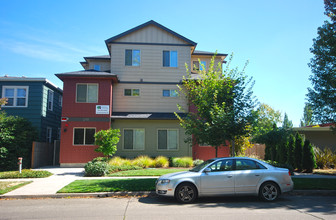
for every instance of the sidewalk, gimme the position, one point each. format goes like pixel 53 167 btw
pixel 48 187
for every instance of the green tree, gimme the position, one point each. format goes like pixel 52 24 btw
pixel 290 150
pixel 307 119
pixel 322 95
pixel 287 124
pixel 107 141
pixel 308 157
pixel 298 151
pixel 224 103
pixel 265 117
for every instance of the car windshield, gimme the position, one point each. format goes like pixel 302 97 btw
pixel 201 166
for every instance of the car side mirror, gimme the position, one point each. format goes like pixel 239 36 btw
pixel 207 170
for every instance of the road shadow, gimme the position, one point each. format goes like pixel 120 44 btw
pixel 311 204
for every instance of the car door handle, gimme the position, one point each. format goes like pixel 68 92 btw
pixel 257 175
pixel 229 176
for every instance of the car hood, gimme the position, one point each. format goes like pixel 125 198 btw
pixel 179 175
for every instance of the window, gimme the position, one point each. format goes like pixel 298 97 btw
pixel 50 100
pixel 134 139
pixel 49 134
pixel 87 93
pixel 199 66
pixel 222 165
pixel 17 95
pixel 242 164
pixel 84 136
pixel 168 139
pixel 60 100
pixel 132 57
pixel 132 92
pixel 96 67
pixel 58 133
pixel 169 58
pixel 169 93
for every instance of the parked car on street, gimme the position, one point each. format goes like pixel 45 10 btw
pixel 226 176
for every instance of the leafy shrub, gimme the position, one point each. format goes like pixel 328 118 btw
pixel 308 157
pixel 98 168
pixel 143 161
pixel 298 151
pixel 100 159
pixel 197 162
pixel 182 162
pixel 26 173
pixel 161 161
pixel 325 158
pixel 107 141
pixel 118 161
pixel 281 165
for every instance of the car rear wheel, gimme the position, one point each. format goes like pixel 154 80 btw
pixel 269 192
pixel 186 193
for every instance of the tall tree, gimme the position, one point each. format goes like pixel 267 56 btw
pixel 308 157
pixel 307 119
pixel 298 151
pixel 223 102
pixel 287 124
pixel 322 95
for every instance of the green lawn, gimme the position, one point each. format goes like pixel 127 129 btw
pixel 147 172
pixel 26 173
pixel 8 186
pixel 109 185
pixel 314 183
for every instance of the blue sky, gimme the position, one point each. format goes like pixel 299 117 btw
pixel 40 38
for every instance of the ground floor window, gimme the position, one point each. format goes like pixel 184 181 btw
pixel 49 134
pixel 134 139
pixel 84 136
pixel 168 139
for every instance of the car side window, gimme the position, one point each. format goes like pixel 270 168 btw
pixel 243 164
pixel 222 165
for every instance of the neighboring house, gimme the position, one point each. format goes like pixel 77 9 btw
pixel 134 89
pixel 37 100
pixel 320 136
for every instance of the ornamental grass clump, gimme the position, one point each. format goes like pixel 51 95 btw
pixel 161 161
pixel 118 161
pixel 182 162
pixel 143 161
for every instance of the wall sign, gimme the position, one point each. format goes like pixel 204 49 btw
pixel 102 109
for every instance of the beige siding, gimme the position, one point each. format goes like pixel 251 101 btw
pixel 151 63
pixel 151 138
pixel 150 99
pixel 104 65
pixel 151 34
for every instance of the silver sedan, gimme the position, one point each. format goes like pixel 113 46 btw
pixel 226 176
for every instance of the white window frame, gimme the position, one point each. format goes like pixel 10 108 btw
pixel 199 65
pixel 177 137
pixel 87 91
pixel 49 134
pixel 171 92
pixel 15 96
pixel 73 136
pixel 132 64
pixel 50 100
pixel 60 99
pixel 144 139
pixel 132 93
pixel 170 58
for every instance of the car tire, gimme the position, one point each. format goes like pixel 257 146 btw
pixel 269 192
pixel 186 193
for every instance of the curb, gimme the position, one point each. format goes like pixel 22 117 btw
pixel 147 193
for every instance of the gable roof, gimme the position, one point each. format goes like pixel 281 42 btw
pixel 151 22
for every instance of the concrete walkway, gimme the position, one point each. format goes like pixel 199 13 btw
pixel 48 187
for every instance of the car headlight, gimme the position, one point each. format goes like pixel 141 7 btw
pixel 164 181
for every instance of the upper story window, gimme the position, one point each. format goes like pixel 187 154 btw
pixel 87 93
pixel 60 100
pixel 196 65
pixel 17 95
pixel 132 57
pixel 169 93
pixel 132 92
pixel 50 100
pixel 169 58
pixel 96 67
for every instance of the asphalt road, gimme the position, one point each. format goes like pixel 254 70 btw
pixel 287 207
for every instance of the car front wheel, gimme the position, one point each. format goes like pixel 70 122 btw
pixel 269 192
pixel 186 193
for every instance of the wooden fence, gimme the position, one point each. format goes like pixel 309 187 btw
pixel 45 154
